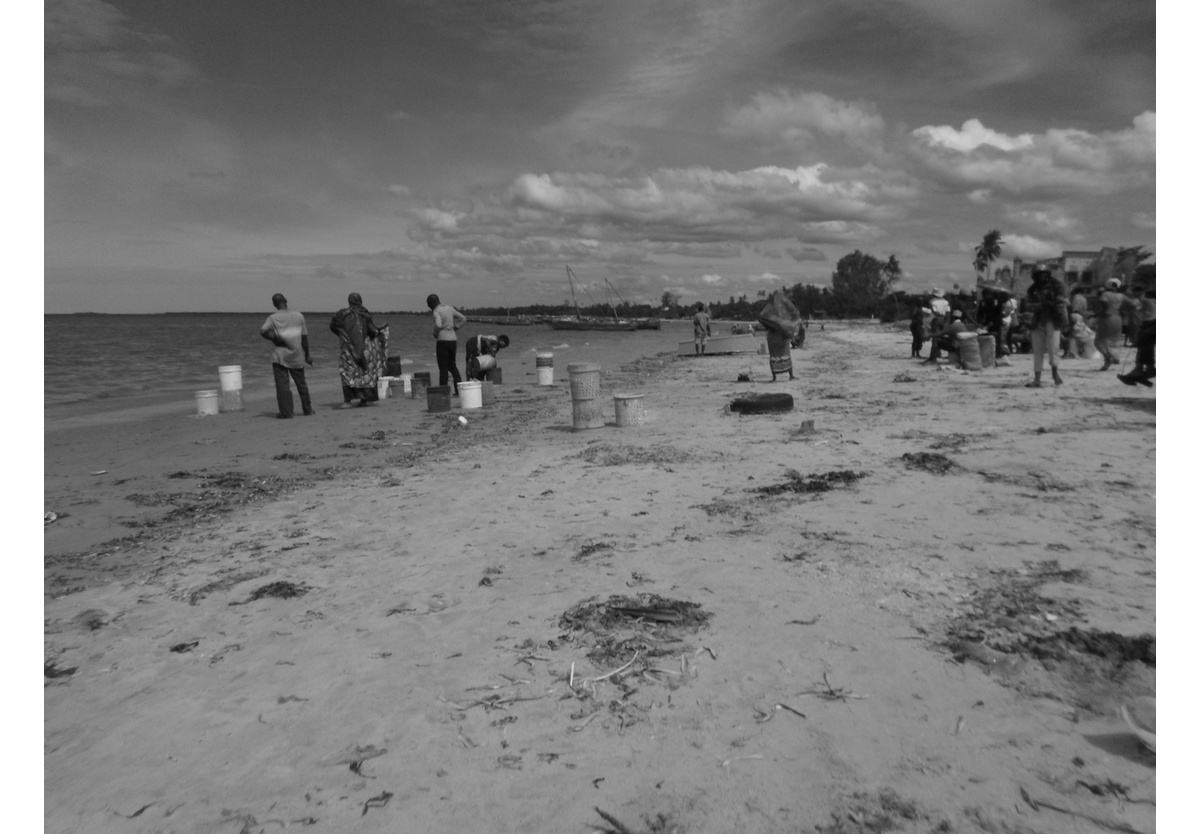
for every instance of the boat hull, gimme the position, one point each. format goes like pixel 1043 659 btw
pixel 740 343
pixel 557 324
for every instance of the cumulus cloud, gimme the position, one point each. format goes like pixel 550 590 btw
pixel 785 117
pixel 980 196
pixel 712 280
pixel 698 202
pixel 1059 161
pixel 432 218
pixel 1029 248
pixel 1048 219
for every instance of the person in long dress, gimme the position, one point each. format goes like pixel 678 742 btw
pixel 1109 324
pixel 781 318
pixel 361 354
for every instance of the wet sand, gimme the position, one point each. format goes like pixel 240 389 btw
pixel 922 615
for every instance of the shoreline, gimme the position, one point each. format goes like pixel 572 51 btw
pixel 438 654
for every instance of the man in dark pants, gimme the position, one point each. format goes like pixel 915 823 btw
pixel 446 321
pixel 286 330
pixel 1144 370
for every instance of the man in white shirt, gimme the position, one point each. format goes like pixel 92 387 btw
pixel 286 330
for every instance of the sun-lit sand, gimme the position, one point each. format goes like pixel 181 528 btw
pixel 923 615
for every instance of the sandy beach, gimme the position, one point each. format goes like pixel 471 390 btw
pixel 923 614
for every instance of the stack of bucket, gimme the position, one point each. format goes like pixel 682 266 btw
pixel 207 402
pixel 545 368
pixel 585 401
pixel 231 388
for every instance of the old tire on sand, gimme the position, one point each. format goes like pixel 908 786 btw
pixel 762 404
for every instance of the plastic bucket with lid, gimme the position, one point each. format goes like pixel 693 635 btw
pixel 545 368
pixel 206 402
pixel 630 409
pixel 437 398
pixel 470 394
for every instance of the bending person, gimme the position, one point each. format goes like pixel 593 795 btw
pixel 478 346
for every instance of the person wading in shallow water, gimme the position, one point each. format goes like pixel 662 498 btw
pixel 1046 305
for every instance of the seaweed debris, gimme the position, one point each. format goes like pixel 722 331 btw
pixel 930 462
pixel 803 484
pixel 602 454
pixel 54 671
pixel 616 628
pixel 280 590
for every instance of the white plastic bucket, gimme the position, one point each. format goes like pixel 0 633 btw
pixel 470 394
pixel 381 387
pixel 231 377
pixel 207 402
pixel 486 363
pixel 545 368
pixel 406 381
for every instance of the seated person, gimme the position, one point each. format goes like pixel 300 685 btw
pixel 947 339
pixel 481 345
pixel 1081 339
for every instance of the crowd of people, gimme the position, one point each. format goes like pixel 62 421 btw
pixel 363 351
pixel 1045 322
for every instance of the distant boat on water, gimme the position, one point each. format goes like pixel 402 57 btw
pixel 510 320
pixel 582 322
pixel 649 324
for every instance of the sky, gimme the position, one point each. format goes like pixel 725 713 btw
pixel 204 155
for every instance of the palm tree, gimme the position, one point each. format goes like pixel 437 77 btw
pixel 987 252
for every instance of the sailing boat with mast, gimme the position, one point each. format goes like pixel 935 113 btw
pixel 582 322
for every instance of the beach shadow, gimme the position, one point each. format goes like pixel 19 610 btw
pixel 1125 745
pixel 1146 405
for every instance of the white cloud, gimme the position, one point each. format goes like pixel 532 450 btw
pixel 1029 248
pixel 442 221
pixel 980 196
pixel 712 280
pixel 1048 219
pixel 700 202
pixel 1059 161
pixel 792 118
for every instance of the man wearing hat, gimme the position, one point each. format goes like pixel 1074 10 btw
pixel 941 309
pixel 947 339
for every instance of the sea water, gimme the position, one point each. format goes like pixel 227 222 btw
pixel 114 362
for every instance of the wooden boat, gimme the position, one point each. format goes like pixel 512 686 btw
pixel 736 343
pixel 509 320
pixel 649 324
pixel 582 322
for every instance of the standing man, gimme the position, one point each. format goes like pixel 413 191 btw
pixel 446 320
pixel 286 330
pixel 941 310
pixel 702 327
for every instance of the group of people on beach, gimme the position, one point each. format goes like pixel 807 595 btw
pixel 1045 322
pixel 363 351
